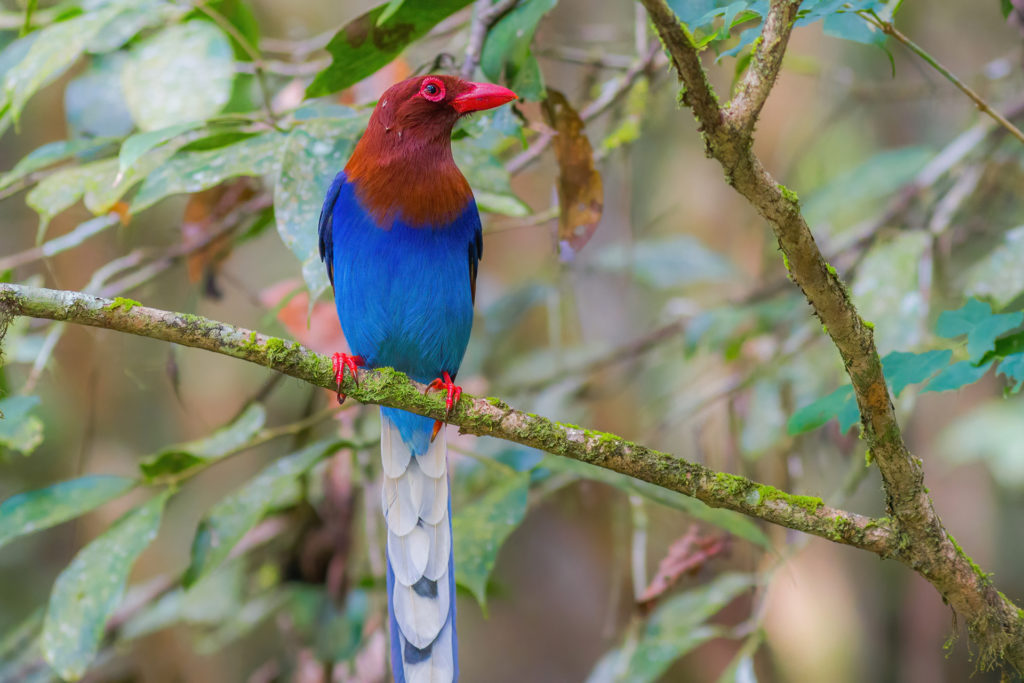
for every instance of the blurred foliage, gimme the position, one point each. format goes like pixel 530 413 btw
pixel 145 134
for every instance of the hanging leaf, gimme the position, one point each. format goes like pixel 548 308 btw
pixel 19 429
pixel 506 53
pixel 231 518
pixel 137 145
pixel 314 153
pixel 479 530
pixel 363 45
pixel 89 590
pixel 1013 368
pixel 192 171
pixel 41 509
pixel 51 153
pixel 175 460
pixel 580 191
pixel 182 73
pixel 982 327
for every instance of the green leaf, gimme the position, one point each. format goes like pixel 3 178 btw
pixel 389 11
pixel 479 529
pixel 982 327
pixel 135 146
pixel 175 460
pixel 853 27
pixel 1013 368
pixel 19 429
pixel 63 188
pixel 33 511
pixel 194 171
pixel 667 263
pixel 135 16
pixel 229 520
pixel 490 181
pixel 182 73
pixel 506 52
pixel 957 375
pixel 90 588
pixel 313 153
pixel 51 153
pixel 902 369
pixel 1006 6
pixel 839 404
pixel 735 523
pixel 52 50
pixel 362 46
pixel 93 102
pixel 678 626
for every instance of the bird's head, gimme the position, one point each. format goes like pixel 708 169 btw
pixel 423 109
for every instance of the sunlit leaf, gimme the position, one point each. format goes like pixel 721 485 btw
pixel 195 171
pixel 479 529
pixel 506 52
pixel 135 16
pixel 33 511
pixel 580 190
pixel 182 73
pixel 314 153
pixel 135 146
pixel 227 521
pixel 982 327
pixel 362 46
pixel 90 588
pixel 20 430
pixel 175 460
pixel 63 188
pixel 903 369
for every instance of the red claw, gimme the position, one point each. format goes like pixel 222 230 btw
pixel 340 361
pixel 453 392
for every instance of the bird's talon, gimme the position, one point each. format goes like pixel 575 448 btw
pixel 452 393
pixel 341 361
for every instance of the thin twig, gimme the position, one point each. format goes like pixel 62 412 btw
pixel 485 15
pixel 890 29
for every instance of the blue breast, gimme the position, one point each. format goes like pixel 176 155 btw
pixel 404 294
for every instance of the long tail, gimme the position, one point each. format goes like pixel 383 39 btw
pixel 421 575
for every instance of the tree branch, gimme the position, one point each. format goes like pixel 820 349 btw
pixel 926 546
pixel 479 416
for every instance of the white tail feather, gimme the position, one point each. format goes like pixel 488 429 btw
pixel 414 496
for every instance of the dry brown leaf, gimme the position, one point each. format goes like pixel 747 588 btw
pixel 203 214
pixel 580 191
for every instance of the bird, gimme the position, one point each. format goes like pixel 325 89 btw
pixel 401 239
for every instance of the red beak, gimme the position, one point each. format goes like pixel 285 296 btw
pixel 482 96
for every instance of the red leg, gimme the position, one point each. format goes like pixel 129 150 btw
pixel 452 390
pixel 342 361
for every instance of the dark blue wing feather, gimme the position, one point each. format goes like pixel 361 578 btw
pixel 327 225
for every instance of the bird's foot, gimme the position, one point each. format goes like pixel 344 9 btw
pixel 340 361
pixel 452 390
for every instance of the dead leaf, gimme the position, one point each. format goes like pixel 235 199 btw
pixel 580 191
pixel 688 554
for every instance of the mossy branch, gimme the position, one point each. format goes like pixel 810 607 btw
pixel 993 620
pixel 480 416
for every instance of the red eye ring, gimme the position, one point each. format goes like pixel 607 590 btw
pixel 432 89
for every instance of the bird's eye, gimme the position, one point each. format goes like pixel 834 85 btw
pixel 432 89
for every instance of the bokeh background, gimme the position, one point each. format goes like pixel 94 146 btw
pixel 674 326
